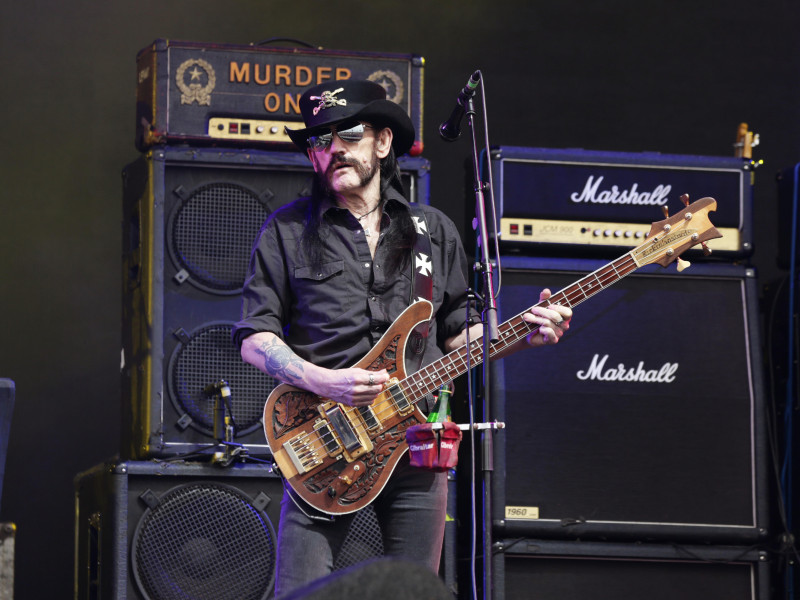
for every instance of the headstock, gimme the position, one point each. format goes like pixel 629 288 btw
pixel 669 238
pixel 746 140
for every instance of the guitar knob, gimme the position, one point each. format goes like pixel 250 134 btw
pixel 331 492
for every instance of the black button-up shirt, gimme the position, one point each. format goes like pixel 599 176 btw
pixel 332 315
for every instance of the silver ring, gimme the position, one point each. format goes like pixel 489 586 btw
pixel 371 379
pixel 559 323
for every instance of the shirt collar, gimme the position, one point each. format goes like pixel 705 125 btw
pixel 390 195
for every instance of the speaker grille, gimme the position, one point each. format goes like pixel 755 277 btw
pixel 208 356
pixel 204 541
pixel 212 235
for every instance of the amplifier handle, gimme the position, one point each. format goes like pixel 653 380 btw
pixel 272 40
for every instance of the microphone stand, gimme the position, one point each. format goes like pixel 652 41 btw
pixel 489 319
pixel 224 424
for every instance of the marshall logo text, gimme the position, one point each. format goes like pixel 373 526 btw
pixel 598 371
pixel 593 195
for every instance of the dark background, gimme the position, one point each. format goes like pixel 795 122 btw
pixel 672 76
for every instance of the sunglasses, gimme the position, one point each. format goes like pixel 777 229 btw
pixel 350 135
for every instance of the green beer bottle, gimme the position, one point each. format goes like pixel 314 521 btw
pixel 441 411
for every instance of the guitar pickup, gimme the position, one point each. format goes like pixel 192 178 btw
pixel 370 420
pixel 401 403
pixel 327 438
pixel 341 426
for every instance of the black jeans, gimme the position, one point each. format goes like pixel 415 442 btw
pixel 411 514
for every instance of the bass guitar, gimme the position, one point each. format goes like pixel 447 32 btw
pixel 338 458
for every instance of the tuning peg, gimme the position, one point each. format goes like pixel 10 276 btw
pixel 665 210
pixel 683 264
pixel 685 199
pixel 706 249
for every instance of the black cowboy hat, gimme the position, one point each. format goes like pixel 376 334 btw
pixel 352 100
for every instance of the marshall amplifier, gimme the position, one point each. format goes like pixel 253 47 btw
pixel 598 200
pixel 646 421
pixel 245 95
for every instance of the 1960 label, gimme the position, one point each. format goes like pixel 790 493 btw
pixel 522 512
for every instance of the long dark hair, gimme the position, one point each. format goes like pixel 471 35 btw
pixel 400 237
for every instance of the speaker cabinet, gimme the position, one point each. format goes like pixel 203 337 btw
pixel 570 570
pixel 646 421
pixel 146 530
pixel 191 216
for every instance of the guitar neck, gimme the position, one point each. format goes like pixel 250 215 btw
pixel 457 362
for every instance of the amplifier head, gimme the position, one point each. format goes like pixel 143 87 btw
pixel 602 201
pixel 235 95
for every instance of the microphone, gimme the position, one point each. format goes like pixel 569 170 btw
pixel 450 130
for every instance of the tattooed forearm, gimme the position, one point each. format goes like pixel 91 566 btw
pixel 280 361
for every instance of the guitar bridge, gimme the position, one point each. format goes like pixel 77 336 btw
pixel 303 452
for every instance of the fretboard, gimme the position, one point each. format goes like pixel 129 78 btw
pixel 457 362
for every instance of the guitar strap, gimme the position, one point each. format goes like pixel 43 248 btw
pixel 421 284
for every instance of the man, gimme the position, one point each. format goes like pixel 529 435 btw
pixel 328 275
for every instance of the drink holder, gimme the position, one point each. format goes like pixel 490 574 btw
pixel 434 446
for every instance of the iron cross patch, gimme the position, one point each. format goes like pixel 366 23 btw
pixel 423 264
